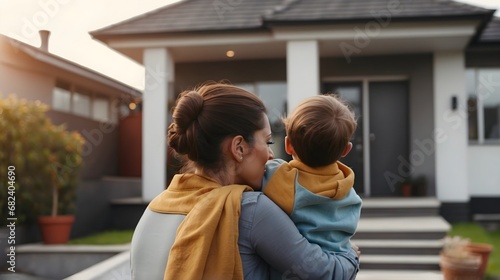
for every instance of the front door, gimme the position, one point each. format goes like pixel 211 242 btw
pixel 388 135
pixel 387 140
pixel 352 94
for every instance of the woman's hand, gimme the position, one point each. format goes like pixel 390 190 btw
pixel 356 249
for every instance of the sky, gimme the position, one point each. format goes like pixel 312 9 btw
pixel 70 22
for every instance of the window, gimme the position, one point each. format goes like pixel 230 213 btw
pixel 61 97
pixel 274 96
pixel 483 88
pixel 100 109
pixel 82 102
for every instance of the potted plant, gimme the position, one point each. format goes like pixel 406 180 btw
pixel 46 160
pixel 458 263
pixel 406 187
pixel 483 250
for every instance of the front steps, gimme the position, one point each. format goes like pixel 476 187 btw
pixel 400 238
pixel 399 275
pixel 125 199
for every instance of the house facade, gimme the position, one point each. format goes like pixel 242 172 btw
pixel 423 78
pixel 84 100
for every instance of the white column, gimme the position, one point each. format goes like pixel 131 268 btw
pixel 302 71
pixel 159 73
pixel 450 127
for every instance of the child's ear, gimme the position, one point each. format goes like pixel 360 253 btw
pixel 288 147
pixel 347 149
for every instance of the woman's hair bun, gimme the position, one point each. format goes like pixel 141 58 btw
pixel 188 108
pixel 181 133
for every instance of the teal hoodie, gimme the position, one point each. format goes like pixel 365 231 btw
pixel 320 201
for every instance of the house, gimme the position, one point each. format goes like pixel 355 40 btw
pixel 422 76
pixel 85 101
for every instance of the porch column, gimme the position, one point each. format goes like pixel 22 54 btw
pixel 450 128
pixel 159 73
pixel 302 71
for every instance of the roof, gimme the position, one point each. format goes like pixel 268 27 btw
pixel 345 10
pixel 196 15
pixel 491 33
pixel 69 66
pixel 222 15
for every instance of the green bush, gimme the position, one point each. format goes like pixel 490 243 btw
pixel 46 158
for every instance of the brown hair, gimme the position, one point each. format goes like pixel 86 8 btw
pixel 319 129
pixel 205 116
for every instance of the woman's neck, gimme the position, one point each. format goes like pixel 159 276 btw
pixel 222 177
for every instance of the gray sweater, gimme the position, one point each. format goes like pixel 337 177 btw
pixel 267 237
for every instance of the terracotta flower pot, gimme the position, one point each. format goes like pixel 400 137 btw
pixel 55 229
pixel 406 190
pixel 460 269
pixel 483 250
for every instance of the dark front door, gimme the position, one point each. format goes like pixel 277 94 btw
pixel 389 142
pixel 352 94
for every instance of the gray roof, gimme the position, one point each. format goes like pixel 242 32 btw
pixel 341 10
pixel 196 15
pixel 491 33
pixel 240 15
pixel 68 66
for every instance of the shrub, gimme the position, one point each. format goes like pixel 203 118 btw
pixel 46 158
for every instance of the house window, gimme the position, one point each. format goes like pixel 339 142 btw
pixel 274 96
pixel 81 103
pixel 483 88
pixel 100 109
pixel 61 97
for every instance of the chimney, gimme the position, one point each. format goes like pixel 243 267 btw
pixel 44 36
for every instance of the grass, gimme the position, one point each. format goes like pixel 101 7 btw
pixel 478 234
pixel 114 237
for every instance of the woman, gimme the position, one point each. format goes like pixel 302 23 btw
pixel 215 225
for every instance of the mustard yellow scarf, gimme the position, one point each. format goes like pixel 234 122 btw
pixel 206 245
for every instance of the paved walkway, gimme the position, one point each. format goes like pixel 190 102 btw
pixel 19 276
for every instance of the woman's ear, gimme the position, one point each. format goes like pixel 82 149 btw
pixel 237 147
pixel 347 149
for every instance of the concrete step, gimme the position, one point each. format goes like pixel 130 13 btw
pixel 400 207
pixel 62 260
pixel 126 205
pixel 368 274
pixel 122 187
pixel 399 262
pixel 402 228
pixel 126 212
pixel 399 247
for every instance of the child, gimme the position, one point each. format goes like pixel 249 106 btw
pixel 315 189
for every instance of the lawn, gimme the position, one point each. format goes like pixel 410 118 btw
pixel 478 234
pixel 105 238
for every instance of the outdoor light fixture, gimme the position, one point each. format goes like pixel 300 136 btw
pixel 230 53
pixel 132 106
pixel 454 102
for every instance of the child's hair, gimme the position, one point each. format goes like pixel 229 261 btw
pixel 319 129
